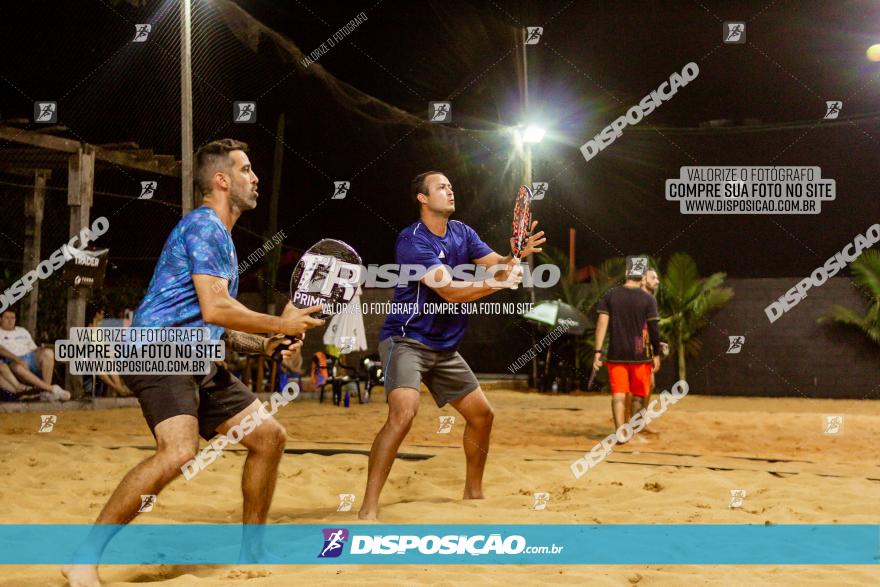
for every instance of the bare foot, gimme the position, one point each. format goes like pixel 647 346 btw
pixel 81 575
pixel 362 515
pixel 473 494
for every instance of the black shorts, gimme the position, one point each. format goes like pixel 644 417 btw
pixel 212 398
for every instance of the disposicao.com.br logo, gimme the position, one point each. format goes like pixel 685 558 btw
pixel 451 544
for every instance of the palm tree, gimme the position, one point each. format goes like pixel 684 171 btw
pixel 866 274
pixel 686 301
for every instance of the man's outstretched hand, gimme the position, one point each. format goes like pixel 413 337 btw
pixel 532 244
pixel 295 321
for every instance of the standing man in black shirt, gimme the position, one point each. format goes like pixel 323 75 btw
pixel 630 360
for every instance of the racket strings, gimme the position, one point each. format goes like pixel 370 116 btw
pixel 522 220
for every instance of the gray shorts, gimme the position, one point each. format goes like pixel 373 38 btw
pixel 408 362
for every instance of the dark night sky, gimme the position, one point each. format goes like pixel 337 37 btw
pixel 595 60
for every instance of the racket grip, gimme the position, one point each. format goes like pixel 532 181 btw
pixel 592 379
pixel 276 354
pixel 516 261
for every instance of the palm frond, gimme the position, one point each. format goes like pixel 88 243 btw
pixel 866 273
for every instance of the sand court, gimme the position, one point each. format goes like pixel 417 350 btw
pixel 774 449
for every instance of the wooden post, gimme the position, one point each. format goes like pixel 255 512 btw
pixel 33 233
pixel 186 130
pixel 273 258
pixel 80 190
pixel 572 266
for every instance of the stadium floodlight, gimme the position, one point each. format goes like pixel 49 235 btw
pixel 533 134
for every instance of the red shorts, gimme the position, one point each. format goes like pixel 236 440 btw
pixel 634 378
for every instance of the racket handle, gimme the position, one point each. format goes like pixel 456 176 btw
pixel 276 354
pixel 516 261
pixel 592 379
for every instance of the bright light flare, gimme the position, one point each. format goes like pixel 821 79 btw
pixel 533 134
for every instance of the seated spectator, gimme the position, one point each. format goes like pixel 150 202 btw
pixel 112 380
pixel 31 365
pixel 10 387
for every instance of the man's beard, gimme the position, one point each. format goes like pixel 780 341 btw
pixel 242 203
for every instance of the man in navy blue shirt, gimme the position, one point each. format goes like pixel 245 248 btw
pixel 420 346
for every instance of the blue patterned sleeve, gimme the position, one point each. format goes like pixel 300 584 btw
pixel 208 248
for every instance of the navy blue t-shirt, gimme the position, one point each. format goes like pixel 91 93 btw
pixel 416 245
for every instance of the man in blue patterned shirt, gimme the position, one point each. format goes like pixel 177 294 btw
pixel 194 284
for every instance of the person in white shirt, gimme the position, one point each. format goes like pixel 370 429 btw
pixel 31 365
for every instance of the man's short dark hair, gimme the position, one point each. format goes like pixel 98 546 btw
pixel 418 186
pixel 10 310
pixel 211 157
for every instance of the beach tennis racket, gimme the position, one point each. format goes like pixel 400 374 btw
pixel 592 380
pixel 522 222
pixel 328 274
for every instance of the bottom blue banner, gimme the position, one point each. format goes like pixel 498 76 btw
pixel 442 544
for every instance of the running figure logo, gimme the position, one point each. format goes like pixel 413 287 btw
pixel 46 112
pixel 539 190
pixel 347 344
pixel 334 540
pixel 47 423
pixel 244 112
pixel 736 344
pixel 147 503
pixel 736 497
pixel 636 266
pixel 148 188
pixel 833 425
pixel 346 500
pixel 141 32
pixel 832 109
pixel 533 34
pixel 340 189
pixel 440 111
pixel 734 32
pixel 541 498
pixel 446 424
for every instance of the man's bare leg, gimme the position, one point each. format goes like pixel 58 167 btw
pixel 177 440
pixel 478 414
pixel 403 405
pixel 25 375
pixel 645 402
pixel 618 409
pixel 265 446
pixel 46 363
pixel 8 382
pixel 637 404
